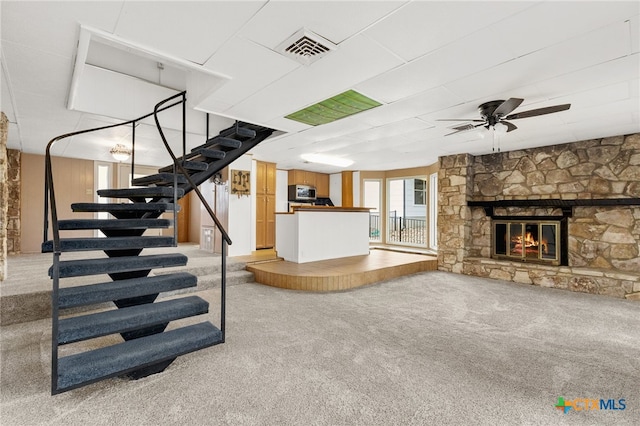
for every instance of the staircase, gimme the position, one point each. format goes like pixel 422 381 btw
pixel 146 345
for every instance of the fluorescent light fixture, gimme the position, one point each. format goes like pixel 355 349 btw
pixel 327 159
pixel 332 109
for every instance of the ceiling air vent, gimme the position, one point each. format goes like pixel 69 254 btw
pixel 306 46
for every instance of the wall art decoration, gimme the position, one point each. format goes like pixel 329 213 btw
pixel 240 182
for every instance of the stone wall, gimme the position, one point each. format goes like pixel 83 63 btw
pixel 454 217
pixel 13 212
pixel 602 168
pixel 604 242
pixel 4 195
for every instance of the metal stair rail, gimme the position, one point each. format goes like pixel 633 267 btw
pixel 147 348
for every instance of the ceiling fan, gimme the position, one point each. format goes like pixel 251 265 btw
pixel 494 112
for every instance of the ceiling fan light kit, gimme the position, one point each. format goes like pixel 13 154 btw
pixel 496 113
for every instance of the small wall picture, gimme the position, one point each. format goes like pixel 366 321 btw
pixel 240 182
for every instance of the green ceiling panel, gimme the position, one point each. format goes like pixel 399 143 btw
pixel 335 108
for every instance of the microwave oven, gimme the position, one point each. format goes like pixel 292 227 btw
pixel 302 192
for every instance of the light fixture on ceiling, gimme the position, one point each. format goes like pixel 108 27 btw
pixel 340 106
pixel 327 159
pixel 120 152
pixel 500 128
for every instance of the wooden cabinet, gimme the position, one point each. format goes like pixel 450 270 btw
pixel 322 185
pixel 302 177
pixel 320 181
pixel 265 205
pixel 266 178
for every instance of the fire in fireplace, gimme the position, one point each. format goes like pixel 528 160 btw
pixel 537 241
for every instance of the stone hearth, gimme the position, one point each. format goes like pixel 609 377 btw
pixel 603 253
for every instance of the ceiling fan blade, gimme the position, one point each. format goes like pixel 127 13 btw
pixel 464 128
pixel 510 126
pixel 507 106
pixel 460 119
pixel 539 111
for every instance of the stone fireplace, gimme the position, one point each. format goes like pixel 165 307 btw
pixel 564 216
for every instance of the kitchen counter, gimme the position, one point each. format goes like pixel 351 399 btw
pixel 312 233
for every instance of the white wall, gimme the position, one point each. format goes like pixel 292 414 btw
pixel 282 178
pixel 335 188
pixel 242 228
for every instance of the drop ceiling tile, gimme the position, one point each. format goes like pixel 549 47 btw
pixel 210 24
pixel 326 77
pixel 36 72
pixel 421 104
pixel 578 53
pixel 594 97
pixel 52 27
pixel 238 59
pixel 286 125
pixel 454 61
pixel 335 129
pixel 396 129
pixel 6 98
pixel 634 32
pixel 549 23
pixel 36 132
pixel 53 108
pixel 610 72
pixel 342 144
pixel 424 26
pixel 334 20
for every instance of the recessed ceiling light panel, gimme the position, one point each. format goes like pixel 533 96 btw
pixel 335 108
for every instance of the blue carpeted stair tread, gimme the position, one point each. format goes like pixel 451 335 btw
pixel 122 207
pixel 211 154
pixel 244 132
pixel 132 318
pixel 76 224
pixel 88 367
pixel 187 165
pixel 159 179
pixel 72 297
pixel 137 193
pixel 76 268
pixel 112 243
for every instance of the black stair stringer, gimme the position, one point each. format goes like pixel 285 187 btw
pixel 241 131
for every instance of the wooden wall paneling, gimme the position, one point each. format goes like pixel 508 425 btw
pixel 347 189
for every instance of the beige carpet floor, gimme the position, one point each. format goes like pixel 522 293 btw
pixel 428 349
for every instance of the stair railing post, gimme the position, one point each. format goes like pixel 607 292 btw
pixel 184 124
pixel 133 151
pixel 50 191
pixel 175 204
pixel 223 288
pixel 54 321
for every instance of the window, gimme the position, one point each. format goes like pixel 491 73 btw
pixel 419 192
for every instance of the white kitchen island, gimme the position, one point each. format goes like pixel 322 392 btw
pixel 312 233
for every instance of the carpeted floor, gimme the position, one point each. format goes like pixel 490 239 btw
pixel 429 349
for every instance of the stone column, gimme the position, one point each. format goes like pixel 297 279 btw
pixel 4 194
pixel 455 187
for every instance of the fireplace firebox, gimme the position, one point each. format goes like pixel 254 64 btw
pixel 527 241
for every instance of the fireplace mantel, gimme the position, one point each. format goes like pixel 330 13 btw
pixel 566 205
